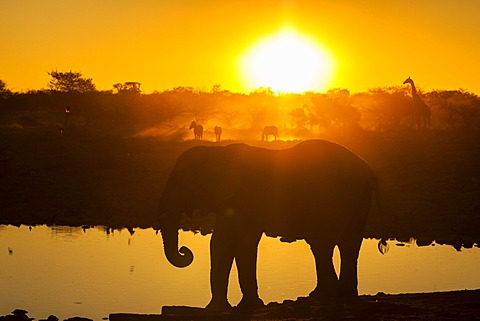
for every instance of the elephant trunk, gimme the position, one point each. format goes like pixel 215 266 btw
pixel 182 257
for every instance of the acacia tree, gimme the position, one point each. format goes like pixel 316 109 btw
pixel 4 91
pixel 128 87
pixel 70 81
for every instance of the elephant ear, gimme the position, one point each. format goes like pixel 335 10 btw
pixel 216 177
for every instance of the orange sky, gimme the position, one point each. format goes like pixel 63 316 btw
pixel 164 44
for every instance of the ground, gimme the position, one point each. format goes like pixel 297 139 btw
pixel 445 306
pixel 429 180
pixel 459 305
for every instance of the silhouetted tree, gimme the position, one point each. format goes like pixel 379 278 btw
pixel 456 108
pixel 128 87
pixel 299 117
pixel 217 89
pixel 70 81
pixel 230 111
pixel 261 107
pixel 4 91
pixel 333 109
pixel 386 107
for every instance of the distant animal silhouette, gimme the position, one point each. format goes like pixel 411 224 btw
pixel 218 133
pixel 269 130
pixel 65 122
pixel 197 130
pixel 421 111
pixel 317 190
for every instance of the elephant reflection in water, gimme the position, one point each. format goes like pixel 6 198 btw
pixel 317 190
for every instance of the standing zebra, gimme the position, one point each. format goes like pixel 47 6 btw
pixel 197 130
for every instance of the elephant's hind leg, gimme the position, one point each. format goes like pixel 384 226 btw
pixel 348 281
pixel 327 281
pixel 246 259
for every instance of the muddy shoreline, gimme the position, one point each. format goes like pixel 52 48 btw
pixel 454 305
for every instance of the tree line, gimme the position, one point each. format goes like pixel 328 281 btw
pixel 125 110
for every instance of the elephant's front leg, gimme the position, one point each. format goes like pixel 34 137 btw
pixel 327 281
pixel 222 247
pixel 246 259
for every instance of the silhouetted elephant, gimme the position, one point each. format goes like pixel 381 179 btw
pixel 197 130
pixel 218 133
pixel 318 191
pixel 269 130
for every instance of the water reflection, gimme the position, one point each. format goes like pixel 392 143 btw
pixel 92 272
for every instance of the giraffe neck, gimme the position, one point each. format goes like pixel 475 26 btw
pixel 414 90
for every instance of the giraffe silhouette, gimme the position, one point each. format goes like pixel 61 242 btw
pixel 421 111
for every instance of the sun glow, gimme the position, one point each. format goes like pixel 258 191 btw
pixel 287 62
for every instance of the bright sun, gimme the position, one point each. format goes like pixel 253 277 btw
pixel 287 62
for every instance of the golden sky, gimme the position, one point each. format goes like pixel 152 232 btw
pixel 164 44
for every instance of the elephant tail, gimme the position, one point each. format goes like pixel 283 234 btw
pixel 383 246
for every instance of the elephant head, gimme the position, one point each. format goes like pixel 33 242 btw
pixel 197 182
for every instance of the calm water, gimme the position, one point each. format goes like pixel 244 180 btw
pixel 68 272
